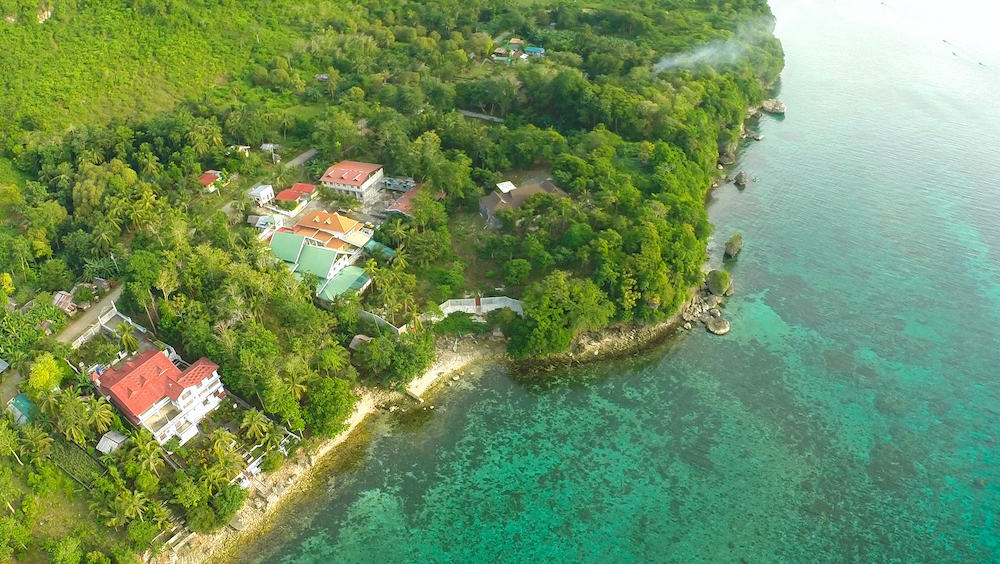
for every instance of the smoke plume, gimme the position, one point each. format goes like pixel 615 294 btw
pixel 718 52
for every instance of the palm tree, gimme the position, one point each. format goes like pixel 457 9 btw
pixel 49 404
pixel 230 465
pixel 126 337
pixel 222 441
pixel 400 261
pixel 8 490
pixel 285 120
pixel 8 441
pixel 371 269
pixel 213 476
pixel 274 437
pixel 298 382
pixel 100 415
pixel 160 515
pixel 395 232
pixel 254 425
pixel 146 452
pixel 197 141
pixel 334 357
pixel 130 504
pixel 72 417
pixel 36 442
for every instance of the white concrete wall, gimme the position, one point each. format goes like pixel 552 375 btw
pixel 486 305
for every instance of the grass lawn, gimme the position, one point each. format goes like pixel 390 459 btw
pixel 61 513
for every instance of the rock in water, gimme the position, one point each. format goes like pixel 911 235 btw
pixel 730 290
pixel 734 245
pixel 718 282
pixel 717 325
pixel 741 179
pixel 773 106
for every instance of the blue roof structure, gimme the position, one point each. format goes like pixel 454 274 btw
pixel 377 249
pixel 534 50
pixel 4 365
pixel 22 409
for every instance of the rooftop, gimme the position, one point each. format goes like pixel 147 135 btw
pixel 499 200
pixel 209 176
pixel 288 195
pixel 110 441
pixel 148 378
pixel 352 173
pixel 506 187
pixel 325 221
pixel 351 278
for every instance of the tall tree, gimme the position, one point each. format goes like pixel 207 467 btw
pixel 8 441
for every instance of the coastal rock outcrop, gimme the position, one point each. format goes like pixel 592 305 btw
pixel 718 282
pixel 704 308
pixel 741 179
pixel 717 325
pixel 734 245
pixel 773 106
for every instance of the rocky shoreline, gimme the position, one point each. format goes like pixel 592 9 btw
pixel 270 493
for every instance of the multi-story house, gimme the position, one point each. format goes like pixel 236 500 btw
pixel 158 391
pixel 361 181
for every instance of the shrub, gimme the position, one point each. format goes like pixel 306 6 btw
pixel 459 323
pixel 202 519
pixel 141 534
pixel 272 461
pixel 97 557
pixel 516 271
pixel 65 551
pixel 227 502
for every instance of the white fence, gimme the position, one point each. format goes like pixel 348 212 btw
pixel 481 306
pixel 103 319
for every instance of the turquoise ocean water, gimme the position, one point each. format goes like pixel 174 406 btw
pixel 851 416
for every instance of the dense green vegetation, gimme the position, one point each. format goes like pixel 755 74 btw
pixel 631 136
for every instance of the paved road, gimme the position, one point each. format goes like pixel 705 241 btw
pixel 302 158
pixel 478 115
pixel 88 318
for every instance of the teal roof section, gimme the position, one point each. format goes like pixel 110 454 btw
pixel 22 409
pixel 377 249
pixel 316 260
pixel 350 279
pixel 286 245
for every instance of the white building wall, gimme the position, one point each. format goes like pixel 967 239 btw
pixel 366 192
pixel 194 404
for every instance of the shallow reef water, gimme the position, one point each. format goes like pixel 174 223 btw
pixel 850 416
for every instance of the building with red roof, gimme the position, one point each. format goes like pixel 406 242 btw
pixel 210 180
pixel 154 393
pixel 299 192
pixel 361 181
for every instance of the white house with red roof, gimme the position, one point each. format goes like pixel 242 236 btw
pixel 153 392
pixel 210 180
pixel 299 192
pixel 361 181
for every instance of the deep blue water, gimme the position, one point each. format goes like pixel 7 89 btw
pixel 851 415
